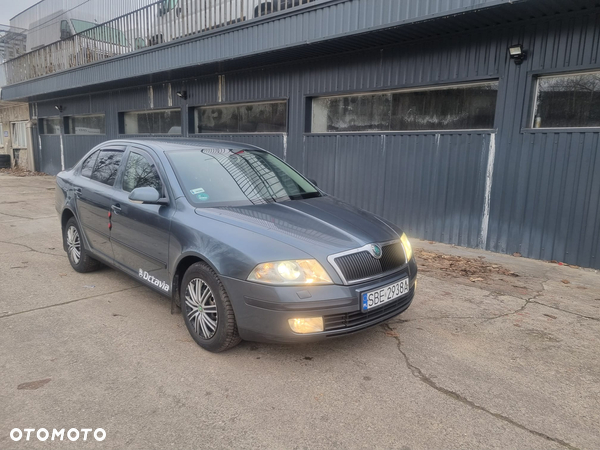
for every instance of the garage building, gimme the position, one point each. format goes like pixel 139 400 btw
pixel 475 123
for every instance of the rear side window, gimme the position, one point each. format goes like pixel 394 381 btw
pixel 88 165
pixel 140 171
pixel 107 166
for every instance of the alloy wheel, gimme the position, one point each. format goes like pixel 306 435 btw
pixel 201 308
pixel 74 244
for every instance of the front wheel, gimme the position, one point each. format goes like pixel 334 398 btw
pixel 207 310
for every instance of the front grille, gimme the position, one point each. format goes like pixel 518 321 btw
pixel 338 322
pixel 362 265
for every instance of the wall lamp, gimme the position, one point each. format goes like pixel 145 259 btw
pixel 59 108
pixel 517 54
pixel 182 94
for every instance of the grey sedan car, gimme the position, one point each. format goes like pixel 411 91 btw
pixel 244 244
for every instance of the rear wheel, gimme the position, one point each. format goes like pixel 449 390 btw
pixel 207 310
pixel 76 251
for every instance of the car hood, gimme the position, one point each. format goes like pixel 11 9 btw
pixel 312 225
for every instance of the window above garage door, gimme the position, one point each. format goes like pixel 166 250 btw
pixel 568 101
pixel 469 106
pixel 259 117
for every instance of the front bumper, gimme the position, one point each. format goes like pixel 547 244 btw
pixel 262 311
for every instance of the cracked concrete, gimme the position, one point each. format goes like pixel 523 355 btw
pixel 68 302
pixel 565 311
pixel 31 249
pixel 418 373
pixel 498 364
pixel 517 311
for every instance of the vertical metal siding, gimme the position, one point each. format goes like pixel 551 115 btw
pixel 75 146
pixel 50 154
pixel 432 185
pixel 435 185
pixel 545 198
pixel 360 166
pixel 319 158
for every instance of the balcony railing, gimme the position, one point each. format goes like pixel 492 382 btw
pixel 158 23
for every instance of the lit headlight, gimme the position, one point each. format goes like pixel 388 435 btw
pixel 407 247
pixel 304 271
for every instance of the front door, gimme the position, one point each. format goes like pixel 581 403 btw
pixel 140 233
pixel 93 198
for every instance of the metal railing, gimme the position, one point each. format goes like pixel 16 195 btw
pixel 157 23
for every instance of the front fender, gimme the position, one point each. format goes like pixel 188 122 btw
pixel 230 250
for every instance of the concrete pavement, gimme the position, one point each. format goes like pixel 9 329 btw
pixel 502 362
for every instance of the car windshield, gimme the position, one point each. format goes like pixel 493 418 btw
pixel 223 177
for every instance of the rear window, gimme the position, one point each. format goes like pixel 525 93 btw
pixel 107 166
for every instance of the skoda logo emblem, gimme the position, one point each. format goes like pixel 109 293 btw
pixel 375 251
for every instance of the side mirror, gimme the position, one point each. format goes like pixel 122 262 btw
pixel 312 180
pixel 147 195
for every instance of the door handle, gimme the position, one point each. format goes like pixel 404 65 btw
pixel 116 208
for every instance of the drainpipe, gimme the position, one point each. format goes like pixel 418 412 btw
pixel 62 153
pixel 30 162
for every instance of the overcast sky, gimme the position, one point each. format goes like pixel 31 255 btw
pixel 10 8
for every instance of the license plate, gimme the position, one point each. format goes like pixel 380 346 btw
pixel 385 294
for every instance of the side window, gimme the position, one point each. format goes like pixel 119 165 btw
pixel 107 166
pixel 140 171
pixel 88 165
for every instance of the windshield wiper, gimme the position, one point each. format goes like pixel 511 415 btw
pixel 307 195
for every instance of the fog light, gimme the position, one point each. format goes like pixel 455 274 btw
pixel 305 326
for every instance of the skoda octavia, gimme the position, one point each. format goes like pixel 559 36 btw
pixel 245 245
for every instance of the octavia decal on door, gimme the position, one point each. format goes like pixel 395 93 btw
pixel 150 279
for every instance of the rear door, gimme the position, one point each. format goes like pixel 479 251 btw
pixel 93 197
pixel 140 233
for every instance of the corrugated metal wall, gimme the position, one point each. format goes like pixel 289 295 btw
pixel 545 200
pixel 545 192
pixel 432 185
pixel 50 157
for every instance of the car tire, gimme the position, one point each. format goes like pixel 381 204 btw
pixel 207 310
pixel 78 256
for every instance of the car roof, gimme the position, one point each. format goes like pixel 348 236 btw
pixel 167 144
